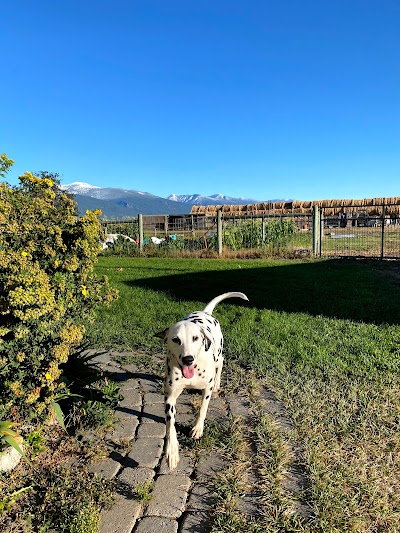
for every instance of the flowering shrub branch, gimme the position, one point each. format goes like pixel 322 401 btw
pixel 47 289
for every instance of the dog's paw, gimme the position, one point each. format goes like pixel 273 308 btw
pixel 197 431
pixel 172 455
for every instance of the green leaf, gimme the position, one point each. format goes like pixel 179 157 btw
pixel 59 414
pixel 12 442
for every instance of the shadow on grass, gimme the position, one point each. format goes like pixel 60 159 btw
pixel 352 290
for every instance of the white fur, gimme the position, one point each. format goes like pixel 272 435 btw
pixel 194 360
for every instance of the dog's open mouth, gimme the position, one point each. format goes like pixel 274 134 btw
pixel 188 371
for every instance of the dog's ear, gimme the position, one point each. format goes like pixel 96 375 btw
pixel 162 334
pixel 206 341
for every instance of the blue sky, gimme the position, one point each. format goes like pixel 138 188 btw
pixel 252 98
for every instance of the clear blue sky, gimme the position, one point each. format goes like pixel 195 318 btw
pixel 253 98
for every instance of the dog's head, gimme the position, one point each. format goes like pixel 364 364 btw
pixel 185 340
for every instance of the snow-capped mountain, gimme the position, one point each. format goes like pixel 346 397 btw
pixel 103 193
pixel 214 199
pixel 79 187
pixel 118 203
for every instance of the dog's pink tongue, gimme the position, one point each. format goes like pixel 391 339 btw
pixel 188 371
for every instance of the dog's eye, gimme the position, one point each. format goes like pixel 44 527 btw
pixel 176 340
pixel 195 339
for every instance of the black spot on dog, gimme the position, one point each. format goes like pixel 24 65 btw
pixel 168 417
pixel 207 342
pixel 170 382
pixel 210 380
pixel 167 407
pixel 176 379
pixel 207 397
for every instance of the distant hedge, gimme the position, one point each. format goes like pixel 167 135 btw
pixel 47 290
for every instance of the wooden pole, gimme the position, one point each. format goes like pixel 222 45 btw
pixel 140 222
pixel 219 231
pixel 316 231
pixel 263 228
pixel 383 232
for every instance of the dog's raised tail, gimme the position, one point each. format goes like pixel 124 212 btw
pixel 209 308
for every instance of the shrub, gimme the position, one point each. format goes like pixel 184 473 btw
pixel 47 289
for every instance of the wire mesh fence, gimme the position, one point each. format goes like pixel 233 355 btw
pixel 268 234
pixel 198 235
pixel 360 234
pixel 323 232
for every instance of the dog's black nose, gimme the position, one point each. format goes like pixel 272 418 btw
pixel 188 360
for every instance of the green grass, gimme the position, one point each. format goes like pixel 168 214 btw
pixel 324 335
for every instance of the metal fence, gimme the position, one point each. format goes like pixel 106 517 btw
pixel 322 232
pixel 358 234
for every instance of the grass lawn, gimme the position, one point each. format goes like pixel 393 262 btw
pixel 323 335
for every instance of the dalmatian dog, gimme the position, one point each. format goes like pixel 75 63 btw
pixel 194 360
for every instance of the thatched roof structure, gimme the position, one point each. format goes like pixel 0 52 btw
pixel 370 206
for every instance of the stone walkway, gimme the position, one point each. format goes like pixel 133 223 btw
pixel 181 500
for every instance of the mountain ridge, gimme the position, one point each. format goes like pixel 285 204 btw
pixel 117 202
pixel 213 199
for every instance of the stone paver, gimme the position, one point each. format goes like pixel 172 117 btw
pixel 153 413
pixel 122 516
pixel 169 496
pixel 146 452
pixel 107 468
pixel 155 524
pixel 126 427
pixel 195 522
pixel 132 398
pixel 181 499
pixel 201 498
pixel 153 397
pixel 131 477
pixel 151 430
pixel 185 466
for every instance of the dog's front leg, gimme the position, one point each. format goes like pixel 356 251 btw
pixel 218 372
pixel 171 441
pixel 197 431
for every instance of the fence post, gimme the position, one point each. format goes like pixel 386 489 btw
pixel 140 222
pixel 383 232
pixel 321 229
pixel 316 231
pixel 263 229
pixel 219 231
pixel 166 225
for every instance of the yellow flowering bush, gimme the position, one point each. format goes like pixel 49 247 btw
pixel 47 289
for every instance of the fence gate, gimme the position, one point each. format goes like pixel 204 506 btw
pixel 360 231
